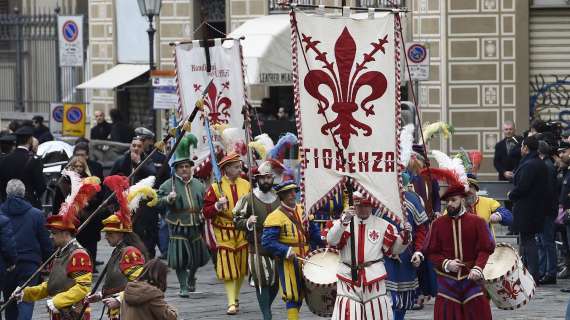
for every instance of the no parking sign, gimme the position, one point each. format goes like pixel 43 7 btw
pixel 74 119
pixel 56 118
pixel 417 55
pixel 70 34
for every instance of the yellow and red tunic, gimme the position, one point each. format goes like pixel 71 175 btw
pixel 231 244
pixel 69 281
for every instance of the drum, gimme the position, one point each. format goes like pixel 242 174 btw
pixel 319 273
pixel 507 281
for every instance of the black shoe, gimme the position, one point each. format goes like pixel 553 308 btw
pixel 192 285
pixel 99 263
pixel 547 280
pixel 567 290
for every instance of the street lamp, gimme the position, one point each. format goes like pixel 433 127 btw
pixel 150 9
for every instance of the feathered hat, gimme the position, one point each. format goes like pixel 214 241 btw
pixel 120 221
pixel 430 130
pixel 183 151
pixel 450 171
pixel 142 190
pixel 82 190
pixel 273 156
pixel 472 162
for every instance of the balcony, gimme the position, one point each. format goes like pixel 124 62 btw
pixel 274 6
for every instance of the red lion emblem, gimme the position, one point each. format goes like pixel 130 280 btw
pixel 345 83
pixel 218 106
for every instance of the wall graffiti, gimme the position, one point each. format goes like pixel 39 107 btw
pixel 550 98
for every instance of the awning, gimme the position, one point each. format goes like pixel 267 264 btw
pixel 115 76
pixel 267 49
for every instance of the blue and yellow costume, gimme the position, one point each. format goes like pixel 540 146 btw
pixel 288 230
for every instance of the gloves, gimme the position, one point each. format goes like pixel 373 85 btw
pixel 18 294
pixel 495 217
pixel 171 197
pixel 250 222
pixel 291 254
pixel 51 307
pixel 221 204
pixel 95 297
pixel 347 216
pixel 417 259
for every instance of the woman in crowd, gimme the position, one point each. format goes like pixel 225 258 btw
pixel 144 298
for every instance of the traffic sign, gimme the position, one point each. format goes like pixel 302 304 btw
pixel 417 55
pixel 56 118
pixel 74 119
pixel 70 36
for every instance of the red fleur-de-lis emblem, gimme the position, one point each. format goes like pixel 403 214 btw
pixel 197 87
pixel 218 106
pixel 510 289
pixel 345 82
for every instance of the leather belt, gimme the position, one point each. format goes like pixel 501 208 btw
pixel 361 266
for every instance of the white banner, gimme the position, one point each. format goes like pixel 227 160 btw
pixel 225 98
pixel 70 35
pixel 346 85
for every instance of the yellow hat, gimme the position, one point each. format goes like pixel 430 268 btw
pixel 114 224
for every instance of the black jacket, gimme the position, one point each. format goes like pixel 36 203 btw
pixel 21 164
pixel 121 132
pixel 124 166
pixel 43 134
pixel 506 162
pixel 530 194
pixel 101 131
pixel 552 195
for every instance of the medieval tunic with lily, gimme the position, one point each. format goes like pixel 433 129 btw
pixel 186 248
pixel 68 284
pixel 465 237
pixel 261 204
pixel 231 245
pixel 288 230
pixel 367 297
pixel 402 281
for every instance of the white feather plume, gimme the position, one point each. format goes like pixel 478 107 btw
pixel 454 164
pixel 146 182
pixel 406 143
pixel 75 181
pixel 232 137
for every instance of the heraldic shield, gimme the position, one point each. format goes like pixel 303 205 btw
pixel 347 77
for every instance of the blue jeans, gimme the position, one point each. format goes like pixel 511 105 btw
pixel 163 236
pixel 23 310
pixel 547 258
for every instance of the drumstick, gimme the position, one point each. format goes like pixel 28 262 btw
pixel 309 262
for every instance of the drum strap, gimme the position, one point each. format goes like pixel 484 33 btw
pixel 361 266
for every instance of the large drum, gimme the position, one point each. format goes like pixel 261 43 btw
pixel 507 281
pixel 319 273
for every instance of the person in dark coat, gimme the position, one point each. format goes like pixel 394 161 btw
pixel 529 197
pixel 33 245
pixel 8 253
pixel 120 130
pixel 7 142
pixel 23 165
pixel 41 132
pixel 102 130
pixel 145 220
pixel 547 257
pixel 506 157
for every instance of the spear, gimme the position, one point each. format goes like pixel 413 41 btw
pixel 257 261
pixel 106 201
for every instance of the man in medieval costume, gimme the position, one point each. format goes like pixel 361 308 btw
pixel 403 283
pixel 459 245
pixel 231 245
pixel 287 234
pixel 423 184
pixel 129 253
pixel 183 198
pixel 365 298
pixel 487 208
pixel 250 214
pixel 71 273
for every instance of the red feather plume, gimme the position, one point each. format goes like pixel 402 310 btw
pixel 119 184
pixel 475 157
pixel 446 175
pixel 70 211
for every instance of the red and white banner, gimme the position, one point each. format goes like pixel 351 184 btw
pixel 346 78
pixel 224 101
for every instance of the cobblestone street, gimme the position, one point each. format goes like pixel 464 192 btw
pixel 209 301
